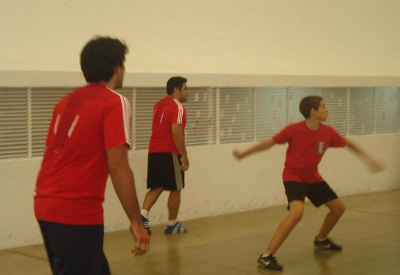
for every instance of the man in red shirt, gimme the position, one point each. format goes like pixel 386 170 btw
pixel 88 139
pixel 308 140
pixel 167 159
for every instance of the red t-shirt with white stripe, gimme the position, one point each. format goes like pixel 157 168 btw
pixel 306 149
pixel 166 112
pixel 71 182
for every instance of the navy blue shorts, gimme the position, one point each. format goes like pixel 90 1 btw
pixel 318 193
pixel 75 249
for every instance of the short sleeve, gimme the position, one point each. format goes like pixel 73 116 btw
pixel 283 136
pixel 117 123
pixel 337 140
pixel 177 113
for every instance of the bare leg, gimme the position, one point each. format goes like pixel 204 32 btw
pixel 337 209
pixel 286 226
pixel 151 198
pixel 174 201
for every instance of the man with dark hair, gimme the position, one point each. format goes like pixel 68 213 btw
pixel 308 140
pixel 88 139
pixel 168 159
pixel 100 57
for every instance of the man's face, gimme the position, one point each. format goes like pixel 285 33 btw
pixel 120 77
pixel 322 112
pixel 183 93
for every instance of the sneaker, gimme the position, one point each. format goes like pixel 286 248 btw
pixel 327 244
pixel 269 262
pixel 145 222
pixel 177 228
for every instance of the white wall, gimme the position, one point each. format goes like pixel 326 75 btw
pixel 216 184
pixel 303 42
pixel 308 37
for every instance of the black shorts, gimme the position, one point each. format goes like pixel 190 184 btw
pixel 163 170
pixel 75 249
pixel 318 193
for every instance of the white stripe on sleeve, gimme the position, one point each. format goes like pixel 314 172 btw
pixel 180 112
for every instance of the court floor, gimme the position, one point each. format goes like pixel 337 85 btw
pixel 230 244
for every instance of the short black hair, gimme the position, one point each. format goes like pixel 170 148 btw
pixel 175 82
pixel 100 56
pixel 308 103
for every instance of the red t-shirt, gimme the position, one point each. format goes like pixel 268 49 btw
pixel 166 112
pixel 306 149
pixel 71 182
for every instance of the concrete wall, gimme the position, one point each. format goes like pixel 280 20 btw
pixel 314 43
pixel 216 184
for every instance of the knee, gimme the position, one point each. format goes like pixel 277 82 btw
pixel 175 194
pixel 342 209
pixel 296 216
pixel 339 210
pixel 157 190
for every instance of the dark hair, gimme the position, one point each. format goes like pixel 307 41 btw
pixel 100 56
pixel 175 82
pixel 308 103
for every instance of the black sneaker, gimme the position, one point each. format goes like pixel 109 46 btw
pixel 269 262
pixel 327 244
pixel 145 222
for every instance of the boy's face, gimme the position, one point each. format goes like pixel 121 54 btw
pixel 322 112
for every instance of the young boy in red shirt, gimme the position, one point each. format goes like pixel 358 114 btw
pixel 308 140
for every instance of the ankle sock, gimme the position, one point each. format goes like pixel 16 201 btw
pixel 144 213
pixel 320 240
pixel 170 223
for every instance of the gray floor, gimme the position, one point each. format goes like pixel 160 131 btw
pixel 230 244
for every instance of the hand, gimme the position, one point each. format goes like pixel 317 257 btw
pixel 375 166
pixel 141 240
pixel 237 154
pixel 185 164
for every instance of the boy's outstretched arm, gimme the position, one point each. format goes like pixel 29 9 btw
pixel 372 163
pixel 263 145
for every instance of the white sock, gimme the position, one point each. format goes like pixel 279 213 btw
pixel 265 255
pixel 171 222
pixel 144 213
